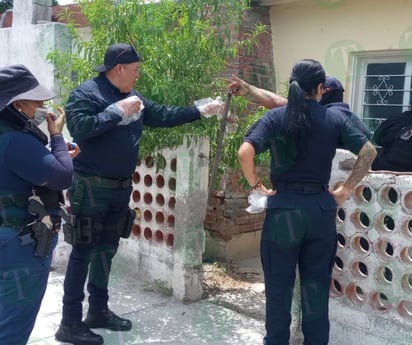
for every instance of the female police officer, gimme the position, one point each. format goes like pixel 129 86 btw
pixel 299 227
pixel 27 237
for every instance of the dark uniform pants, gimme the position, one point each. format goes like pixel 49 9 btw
pixel 23 281
pixel 106 208
pixel 299 229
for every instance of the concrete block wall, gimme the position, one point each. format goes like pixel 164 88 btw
pixel 372 275
pixel 168 239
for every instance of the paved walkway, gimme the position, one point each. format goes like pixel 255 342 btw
pixel 160 319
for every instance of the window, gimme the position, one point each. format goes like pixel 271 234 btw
pixel 383 85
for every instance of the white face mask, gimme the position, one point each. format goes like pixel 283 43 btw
pixel 39 115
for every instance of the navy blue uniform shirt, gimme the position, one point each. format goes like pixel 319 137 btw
pixel 107 149
pixel 330 129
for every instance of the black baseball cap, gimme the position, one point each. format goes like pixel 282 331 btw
pixel 18 83
pixel 119 53
pixel 332 83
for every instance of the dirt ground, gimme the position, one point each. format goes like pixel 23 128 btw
pixel 223 277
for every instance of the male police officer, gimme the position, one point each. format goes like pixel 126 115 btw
pixel 105 116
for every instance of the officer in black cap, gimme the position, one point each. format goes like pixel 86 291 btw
pixel 106 116
pixel 25 164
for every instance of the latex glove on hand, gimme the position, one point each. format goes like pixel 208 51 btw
pixel 212 108
pixel 129 105
pixel 130 109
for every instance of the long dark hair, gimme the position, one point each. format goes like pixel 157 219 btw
pixel 305 77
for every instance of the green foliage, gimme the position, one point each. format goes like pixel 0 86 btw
pixel 5 5
pixel 185 47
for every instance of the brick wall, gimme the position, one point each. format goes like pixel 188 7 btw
pixel 226 215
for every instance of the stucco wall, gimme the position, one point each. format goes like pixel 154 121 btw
pixel 329 30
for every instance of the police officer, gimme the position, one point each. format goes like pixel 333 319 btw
pixel 299 226
pixel 394 135
pixel 27 236
pixel 332 96
pixel 105 116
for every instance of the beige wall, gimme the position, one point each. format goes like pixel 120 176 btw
pixel 328 30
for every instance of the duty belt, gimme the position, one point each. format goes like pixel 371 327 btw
pixel 302 187
pixel 104 182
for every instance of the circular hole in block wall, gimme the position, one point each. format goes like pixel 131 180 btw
pixel 341 240
pixel 360 245
pixel 136 196
pixel 406 228
pixel 336 289
pixel 362 194
pixel 384 275
pixel 172 202
pixel 148 180
pixel 388 196
pixel 407 201
pixel 170 240
pixel 148 198
pixel 406 255
pixel 158 236
pixel 147 215
pixel 384 249
pixel 405 309
pixel 360 220
pixel 160 199
pixel 147 233
pixel 355 294
pixel 359 269
pixel 172 184
pixel 160 217
pixel 340 215
pixel 139 162
pixel 136 177
pixel 173 164
pixel 160 181
pixel 379 301
pixel 384 223
pixel 338 267
pixel 171 221
pixel 149 162
pixel 136 230
pixel 406 283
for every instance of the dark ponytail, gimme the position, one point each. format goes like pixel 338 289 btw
pixel 305 77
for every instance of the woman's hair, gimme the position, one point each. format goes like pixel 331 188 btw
pixel 305 77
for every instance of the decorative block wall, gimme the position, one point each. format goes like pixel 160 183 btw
pixel 167 240
pixel 373 266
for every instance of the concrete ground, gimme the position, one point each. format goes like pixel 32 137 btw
pixel 219 319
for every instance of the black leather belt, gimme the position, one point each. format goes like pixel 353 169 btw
pixel 104 182
pixel 302 187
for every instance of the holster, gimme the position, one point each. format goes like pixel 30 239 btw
pixel 124 228
pixel 76 230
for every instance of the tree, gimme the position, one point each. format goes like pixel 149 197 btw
pixel 185 46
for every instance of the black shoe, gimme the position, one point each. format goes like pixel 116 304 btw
pixel 77 333
pixel 107 319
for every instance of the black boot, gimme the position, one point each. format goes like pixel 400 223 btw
pixel 77 333
pixel 107 319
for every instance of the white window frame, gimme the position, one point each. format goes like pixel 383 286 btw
pixel 360 61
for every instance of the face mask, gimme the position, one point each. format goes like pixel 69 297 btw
pixel 39 115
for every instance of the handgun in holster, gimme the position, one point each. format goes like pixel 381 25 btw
pixel 42 228
pixel 124 228
pixel 76 230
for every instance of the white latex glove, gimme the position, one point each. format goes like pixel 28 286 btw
pixel 214 107
pixel 130 105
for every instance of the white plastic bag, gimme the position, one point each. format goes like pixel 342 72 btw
pixel 129 119
pixel 258 201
